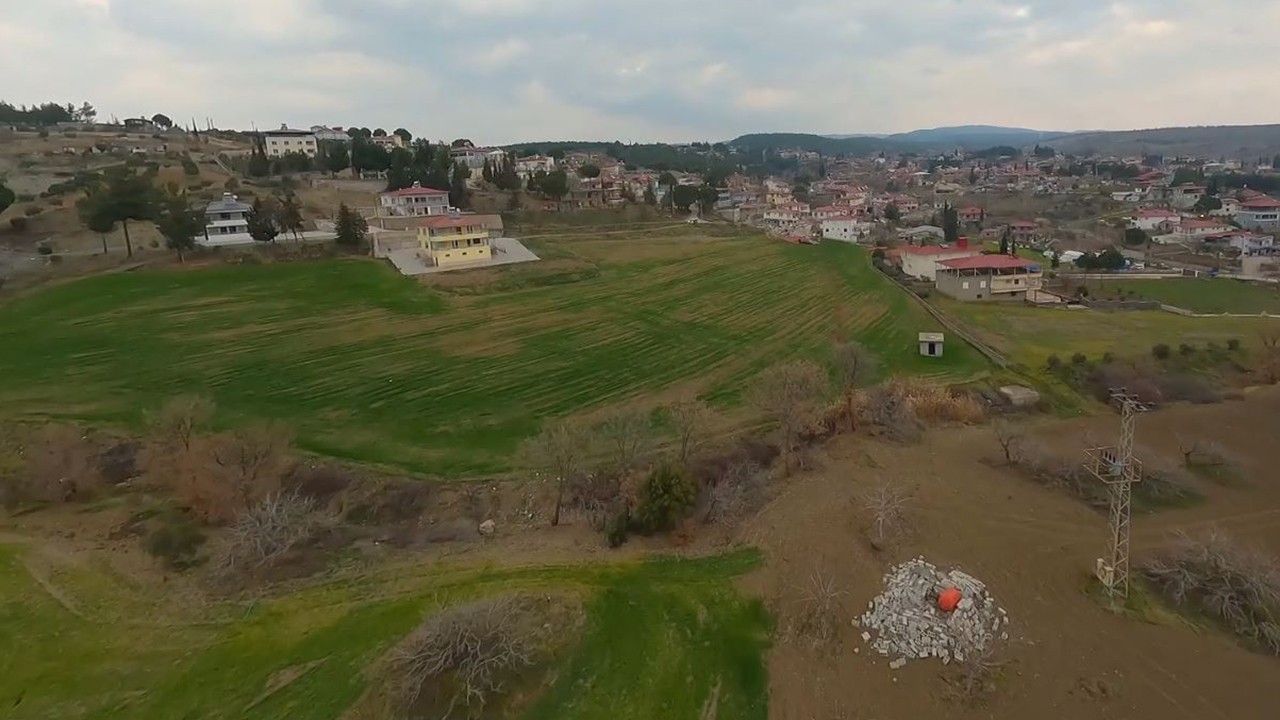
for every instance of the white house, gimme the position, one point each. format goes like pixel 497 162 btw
pixel 1194 228
pixel 793 212
pixel 287 140
pixel 328 134
pixel 474 157
pixel 1153 219
pixel 846 228
pixel 415 201
pixel 1250 244
pixel 226 222
pixel 527 167
pixel 922 262
pixel 1259 213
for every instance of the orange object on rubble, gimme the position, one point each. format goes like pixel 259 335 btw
pixel 949 599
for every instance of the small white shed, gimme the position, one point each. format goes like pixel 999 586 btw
pixel 931 344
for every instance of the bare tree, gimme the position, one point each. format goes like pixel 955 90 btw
pixel 1269 355
pixel 1010 437
pixel 690 419
pixel 853 365
pixel 886 508
pixel 182 417
pixel 559 450
pixel 820 612
pixel 790 394
pixel 888 407
pixel 252 461
pixel 628 436
pixel 475 646
pixel 271 528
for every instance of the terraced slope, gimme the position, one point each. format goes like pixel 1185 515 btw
pixel 370 366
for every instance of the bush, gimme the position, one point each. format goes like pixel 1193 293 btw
pixel 1233 344
pixel 1079 359
pixel 1054 362
pixel 890 410
pixel 1160 352
pixel 189 166
pixel 1211 574
pixel 1186 350
pixel 1068 474
pixel 463 656
pixel 42 134
pixel 32 210
pixel 44 249
pixel 668 494
pixel 176 542
pixel 1164 482
pixel 270 529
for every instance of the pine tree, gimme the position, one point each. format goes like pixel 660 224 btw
pixel 291 215
pixel 179 223
pixel 262 222
pixel 487 172
pixel 259 166
pixel 1004 242
pixel 458 196
pixel 350 227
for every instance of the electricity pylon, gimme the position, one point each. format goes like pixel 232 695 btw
pixel 1119 470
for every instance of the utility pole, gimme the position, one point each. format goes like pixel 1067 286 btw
pixel 1119 470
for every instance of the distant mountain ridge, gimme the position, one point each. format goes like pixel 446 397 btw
pixel 1234 141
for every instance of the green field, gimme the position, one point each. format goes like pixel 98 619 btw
pixel 1202 295
pixel 84 644
pixel 1029 335
pixel 367 365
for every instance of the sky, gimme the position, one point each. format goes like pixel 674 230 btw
pixel 505 71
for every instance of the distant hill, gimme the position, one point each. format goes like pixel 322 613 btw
pixel 1232 141
pixel 971 137
pixel 757 142
pixel 974 137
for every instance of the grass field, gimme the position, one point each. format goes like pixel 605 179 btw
pixel 367 365
pixel 1029 335
pixel 659 637
pixel 1202 295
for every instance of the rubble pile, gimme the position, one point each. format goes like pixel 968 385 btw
pixel 908 623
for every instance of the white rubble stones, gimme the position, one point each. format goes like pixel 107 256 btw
pixel 908 624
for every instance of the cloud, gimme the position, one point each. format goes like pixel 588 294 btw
pixel 511 70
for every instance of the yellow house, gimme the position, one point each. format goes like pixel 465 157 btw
pixel 450 239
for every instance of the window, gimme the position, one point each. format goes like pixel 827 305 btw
pixel 982 284
pixel 964 285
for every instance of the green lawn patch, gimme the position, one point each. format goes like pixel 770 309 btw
pixel 661 637
pixel 370 366
pixel 1202 295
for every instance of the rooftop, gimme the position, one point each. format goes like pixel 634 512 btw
pixel 416 189
pixel 987 262
pixel 938 250
pixel 440 222
pixel 1260 203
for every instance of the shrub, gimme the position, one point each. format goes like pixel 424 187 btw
pixel 43 134
pixel 270 529
pixel 1211 459
pixel 464 655
pixel 1160 352
pixel 1164 482
pixel 1233 344
pixel 44 249
pixel 1068 474
pixel 189 166
pixel 890 410
pixel 1054 362
pixel 1186 350
pixel 1108 358
pixel 1079 359
pixel 668 494
pixel 176 542
pixel 32 210
pixel 1184 386
pixel 1211 574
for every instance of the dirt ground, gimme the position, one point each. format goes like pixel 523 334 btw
pixel 1068 656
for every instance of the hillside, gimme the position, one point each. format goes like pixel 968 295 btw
pixel 973 137
pixel 1232 141
pixel 759 142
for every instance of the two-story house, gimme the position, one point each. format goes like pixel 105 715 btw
pixel 1259 213
pixel 453 239
pixel 288 140
pixel 415 201
pixel 988 277
pixel 226 221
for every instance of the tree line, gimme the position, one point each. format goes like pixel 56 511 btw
pixel 49 113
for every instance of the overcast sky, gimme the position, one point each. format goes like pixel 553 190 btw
pixel 501 71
